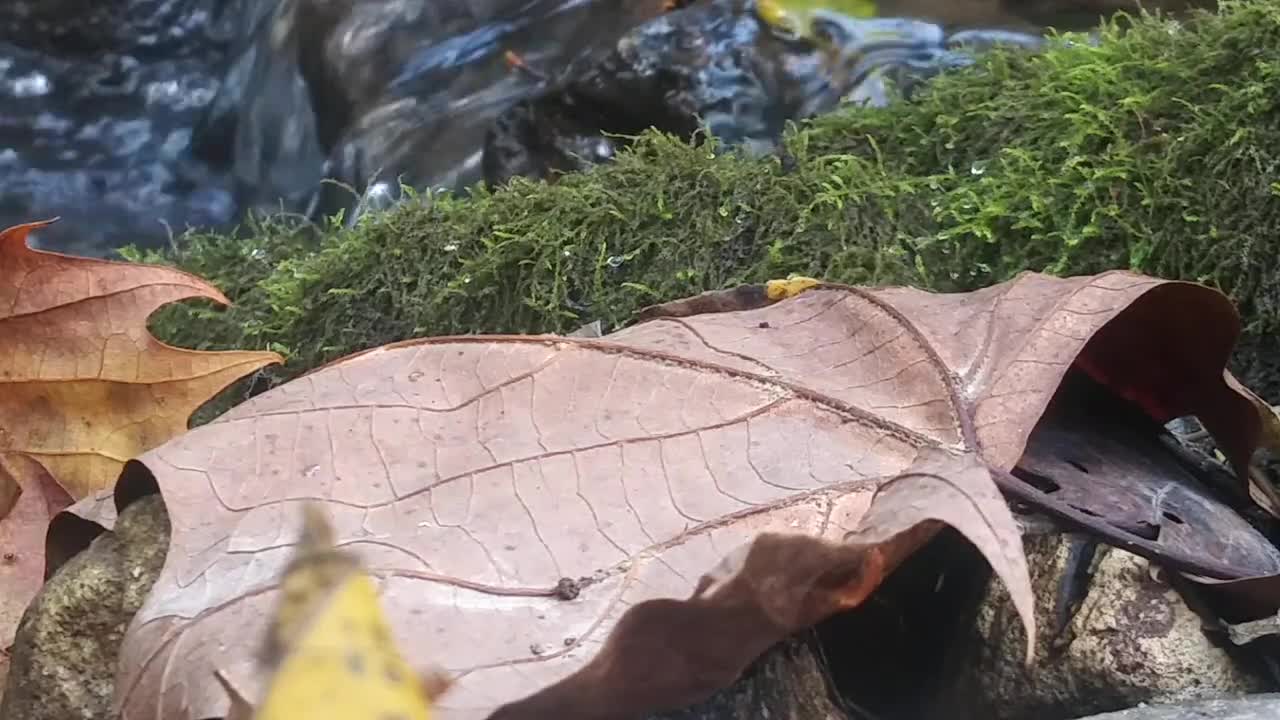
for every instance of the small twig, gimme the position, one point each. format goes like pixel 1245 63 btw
pixel 173 244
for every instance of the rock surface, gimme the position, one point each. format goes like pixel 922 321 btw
pixel 788 683
pixel 1133 640
pixel 711 65
pixel 1257 707
pixel 64 656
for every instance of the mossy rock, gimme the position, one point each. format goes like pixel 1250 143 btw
pixel 1156 151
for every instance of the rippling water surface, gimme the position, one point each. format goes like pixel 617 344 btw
pixel 98 103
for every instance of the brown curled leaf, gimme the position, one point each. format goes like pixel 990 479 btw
pixel 71 530
pixel 22 536
pixel 1263 491
pixel 525 502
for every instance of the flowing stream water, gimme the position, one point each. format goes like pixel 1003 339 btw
pixel 133 120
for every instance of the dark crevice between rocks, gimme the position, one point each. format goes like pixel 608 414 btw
pixel 67 536
pixel 896 656
pixel 136 482
pixel 890 659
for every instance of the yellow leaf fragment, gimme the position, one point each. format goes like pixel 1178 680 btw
pixel 795 17
pixel 331 645
pixel 782 289
pixel 346 667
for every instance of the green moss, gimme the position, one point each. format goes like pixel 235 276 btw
pixel 1156 151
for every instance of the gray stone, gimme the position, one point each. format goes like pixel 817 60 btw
pixel 64 654
pixel 789 682
pixel 1133 640
pixel 1256 707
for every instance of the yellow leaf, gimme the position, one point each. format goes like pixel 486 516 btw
pixel 346 667
pixel 83 385
pixel 795 17
pixel 332 646
pixel 792 286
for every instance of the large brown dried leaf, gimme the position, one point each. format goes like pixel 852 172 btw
pixel 537 508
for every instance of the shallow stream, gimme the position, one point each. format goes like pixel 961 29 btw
pixel 133 120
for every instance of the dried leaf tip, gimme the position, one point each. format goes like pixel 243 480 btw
pixel 435 682
pixel 311 578
pixel 241 708
pixel 317 533
pixel 327 634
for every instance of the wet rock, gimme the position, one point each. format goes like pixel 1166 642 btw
pixel 1257 707
pixel 64 655
pixel 404 141
pixel 422 97
pixel 787 683
pixel 1134 639
pixel 363 92
pixel 259 133
pixel 716 67
pixel 713 66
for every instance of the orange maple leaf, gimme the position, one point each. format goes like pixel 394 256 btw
pixel 86 386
